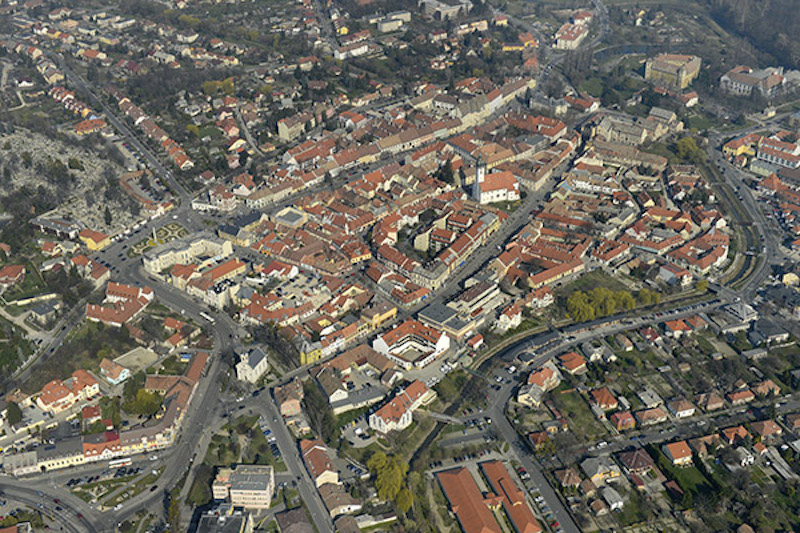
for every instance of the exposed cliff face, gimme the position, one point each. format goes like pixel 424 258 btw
pixel 772 25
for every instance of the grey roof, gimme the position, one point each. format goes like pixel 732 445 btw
pixel 291 217
pixel 220 521
pixel 437 313
pixel 65 448
pixel 255 356
pixel 251 477
pixel 247 219
pixel 660 112
pixel 294 521
pixel 329 382
pixel 44 308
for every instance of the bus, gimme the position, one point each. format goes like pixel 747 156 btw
pixel 119 463
pixel 207 316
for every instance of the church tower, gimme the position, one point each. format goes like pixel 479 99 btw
pixel 480 175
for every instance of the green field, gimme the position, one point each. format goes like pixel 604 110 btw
pixel 577 412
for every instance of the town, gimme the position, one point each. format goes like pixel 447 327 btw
pixel 434 266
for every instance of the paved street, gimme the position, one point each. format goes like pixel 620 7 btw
pixel 520 452
pixel 206 412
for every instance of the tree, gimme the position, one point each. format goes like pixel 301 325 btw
pixel 319 413
pixel 701 286
pixel 145 403
pixel 227 86
pixel 174 515
pixel 578 307
pixel 107 216
pixel 390 474
pixel 687 149
pixel 13 414
pixel 445 172
pixel 648 297
pixel 404 500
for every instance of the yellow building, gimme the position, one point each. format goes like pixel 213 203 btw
pixel 67 458
pixel 672 69
pixel 379 314
pixel 94 240
pixel 310 353
pixel 742 146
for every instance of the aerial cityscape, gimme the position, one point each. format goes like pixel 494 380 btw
pixel 436 266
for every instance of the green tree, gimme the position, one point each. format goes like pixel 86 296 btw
pixel 404 500
pixel 107 216
pixel 579 308
pixel 146 403
pixel 174 515
pixel 227 86
pixel 390 474
pixel 701 285
pixel 648 297
pixel 319 413
pixel 210 87
pixel 13 414
pixel 132 385
pixel 445 172
pixel 687 149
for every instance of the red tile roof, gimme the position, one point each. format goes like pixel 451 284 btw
pixel 511 497
pixel 316 457
pixel 467 502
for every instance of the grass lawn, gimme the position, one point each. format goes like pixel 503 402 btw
pixel 700 122
pixel 145 483
pixel 636 361
pixel 662 150
pixel 579 415
pixel 16 310
pixel 593 86
pixel 410 439
pixel 210 130
pixel 258 452
pixel 704 345
pixel 31 286
pixel 14 349
pixel 589 281
pixel 172 366
pixel 792 350
pixel 688 477
pixel 100 489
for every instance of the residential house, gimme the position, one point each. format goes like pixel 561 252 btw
pixel 289 398
pixel 318 463
pixel 600 469
pixel 623 420
pixel 678 452
pixel 112 372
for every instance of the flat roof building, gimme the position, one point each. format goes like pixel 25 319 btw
pixel 248 486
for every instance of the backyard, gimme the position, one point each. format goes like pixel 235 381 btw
pixel 575 409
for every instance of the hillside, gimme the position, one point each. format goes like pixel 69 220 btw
pixel 771 25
